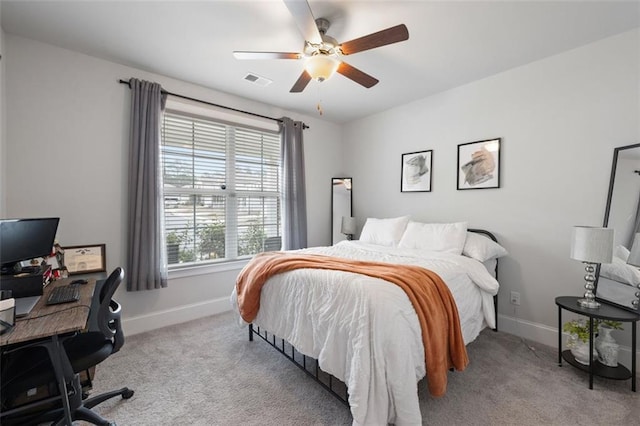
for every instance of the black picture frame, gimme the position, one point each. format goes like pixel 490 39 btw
pixel 479 164
pixel 416 171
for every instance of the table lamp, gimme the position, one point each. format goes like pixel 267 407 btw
pixel 591 245
pixel 348 227
pixel 634 255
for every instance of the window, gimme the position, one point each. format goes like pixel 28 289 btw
pixel 221 189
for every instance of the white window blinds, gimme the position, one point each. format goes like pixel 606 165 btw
pixel 221 189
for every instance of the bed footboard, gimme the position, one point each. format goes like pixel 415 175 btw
pixel 306 363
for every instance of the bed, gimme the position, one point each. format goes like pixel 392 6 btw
pixel 367 333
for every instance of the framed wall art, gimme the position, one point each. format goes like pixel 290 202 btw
pixel 479 164
pixel 416 171
pixel 85 259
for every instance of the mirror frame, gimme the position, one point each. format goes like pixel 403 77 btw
pixel 607 290
pixel 333 180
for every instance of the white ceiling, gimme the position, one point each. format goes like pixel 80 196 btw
pixel 451 43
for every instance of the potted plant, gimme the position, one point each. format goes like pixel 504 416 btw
pixel 578 330
pixel 578 343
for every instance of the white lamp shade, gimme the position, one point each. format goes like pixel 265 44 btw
pixel 634 256
pixel 320 67
pixel 592 244
pixel 348 225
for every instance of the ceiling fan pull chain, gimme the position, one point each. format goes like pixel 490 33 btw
pixel 319 106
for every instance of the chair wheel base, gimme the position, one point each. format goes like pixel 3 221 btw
pixel 127 394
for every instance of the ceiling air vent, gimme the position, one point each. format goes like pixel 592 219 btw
pixel 256 79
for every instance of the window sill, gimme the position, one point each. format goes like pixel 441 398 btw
pixel 190 271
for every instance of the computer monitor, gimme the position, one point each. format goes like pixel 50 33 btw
pixel 25 239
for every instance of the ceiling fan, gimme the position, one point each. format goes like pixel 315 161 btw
pixel 323 53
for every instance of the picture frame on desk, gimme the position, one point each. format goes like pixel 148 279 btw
pixel 85 259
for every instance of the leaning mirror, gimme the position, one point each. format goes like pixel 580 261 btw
pixel 341 190
pixel 619 281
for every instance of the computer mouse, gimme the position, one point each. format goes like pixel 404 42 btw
pixel 80 281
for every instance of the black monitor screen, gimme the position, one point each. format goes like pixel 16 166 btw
pixel 24 239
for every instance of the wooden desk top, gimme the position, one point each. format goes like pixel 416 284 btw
pixel 47 320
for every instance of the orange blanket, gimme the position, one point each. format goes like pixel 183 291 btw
pixel 437 312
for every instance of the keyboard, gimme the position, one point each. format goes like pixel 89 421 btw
pixel 64 294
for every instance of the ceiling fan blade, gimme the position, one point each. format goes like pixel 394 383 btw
pixel 304 20
pixel 302 82
pixel 266 55
pixel 356 75
pixel 381 38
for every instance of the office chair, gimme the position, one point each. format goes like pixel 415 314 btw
pixel 30 367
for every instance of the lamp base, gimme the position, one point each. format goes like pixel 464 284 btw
pixel 588 303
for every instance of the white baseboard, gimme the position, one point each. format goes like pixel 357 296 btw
pixel 173 316
pixel 543 334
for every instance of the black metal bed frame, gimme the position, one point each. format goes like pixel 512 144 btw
pixel 306 363
pixel 310 365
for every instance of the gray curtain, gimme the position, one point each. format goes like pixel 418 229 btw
pixel 146 252
pixel 294 194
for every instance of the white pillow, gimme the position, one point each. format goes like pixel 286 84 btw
pixel 444 237
pixel 384 232
pixel 482 248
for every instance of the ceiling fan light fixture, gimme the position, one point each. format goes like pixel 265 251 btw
pixel 322 53
pixel 321 66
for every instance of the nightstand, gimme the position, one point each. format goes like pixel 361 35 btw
pixel 605 312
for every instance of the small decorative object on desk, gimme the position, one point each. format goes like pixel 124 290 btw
pixel 606 345
pixel 56 261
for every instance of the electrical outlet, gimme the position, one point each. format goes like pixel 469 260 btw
pixel 515 298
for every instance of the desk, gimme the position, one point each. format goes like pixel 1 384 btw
pixel 49 323
pixel 49 320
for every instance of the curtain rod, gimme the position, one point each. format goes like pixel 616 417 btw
pixel 304 126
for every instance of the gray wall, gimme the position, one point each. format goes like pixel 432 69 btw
pixel 560 119
pixel 67 137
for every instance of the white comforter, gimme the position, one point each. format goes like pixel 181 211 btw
pixel 364 330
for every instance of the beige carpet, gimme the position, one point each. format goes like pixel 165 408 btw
pixel 206 372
